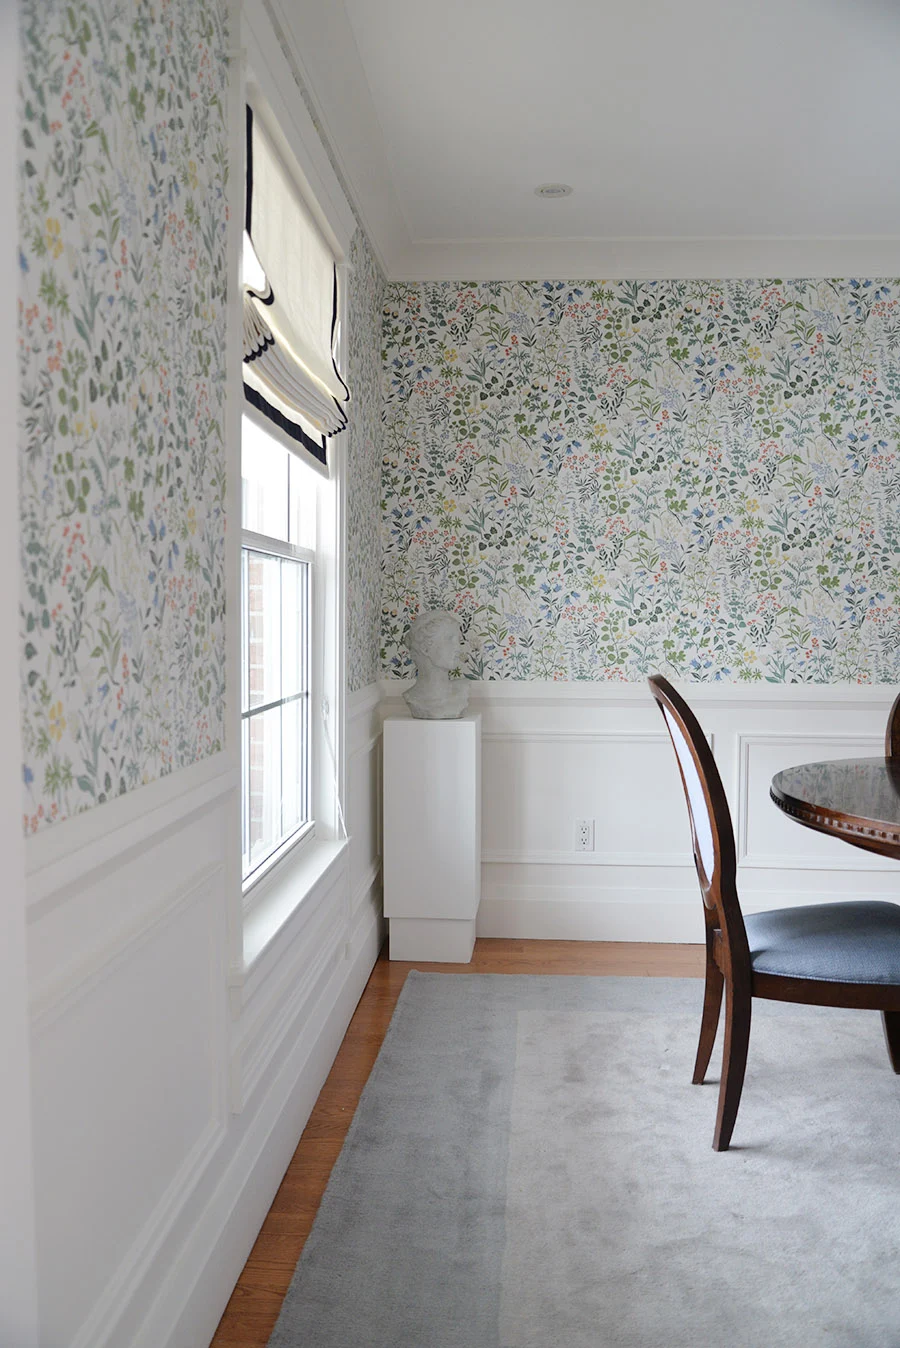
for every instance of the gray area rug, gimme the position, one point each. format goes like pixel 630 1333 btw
pixel 529 1167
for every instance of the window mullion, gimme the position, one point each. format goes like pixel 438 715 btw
pixel 277 547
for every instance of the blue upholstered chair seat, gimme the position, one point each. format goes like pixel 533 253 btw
pixel 832 942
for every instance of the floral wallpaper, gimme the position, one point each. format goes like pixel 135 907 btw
pixel 606 479
pixel 365 302
pixel 122 172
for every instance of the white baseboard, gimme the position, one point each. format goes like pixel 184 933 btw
pixel 536 913
pixel 202 1275
pixel 531 913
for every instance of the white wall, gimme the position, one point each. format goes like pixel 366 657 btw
pixel 554 753
pixel 150 1186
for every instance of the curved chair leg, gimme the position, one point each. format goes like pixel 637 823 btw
pixel 712 1001
pixel 734 1062
pixel 891 1022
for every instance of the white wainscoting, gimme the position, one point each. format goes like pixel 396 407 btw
pixel 168 1094
pixel 554 753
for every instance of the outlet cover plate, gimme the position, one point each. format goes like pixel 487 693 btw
pixel 584 835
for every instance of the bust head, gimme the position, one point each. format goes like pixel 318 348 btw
pixel 435 638
pixel 434 641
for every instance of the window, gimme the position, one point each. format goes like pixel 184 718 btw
pixel 287 652
pixel 278 559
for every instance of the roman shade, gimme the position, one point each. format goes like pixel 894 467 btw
pixel 290 296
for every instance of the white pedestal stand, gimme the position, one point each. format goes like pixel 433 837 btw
pixel 432 837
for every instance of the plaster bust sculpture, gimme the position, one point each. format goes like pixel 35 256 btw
pixel 434 641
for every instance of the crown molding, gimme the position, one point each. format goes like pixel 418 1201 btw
pixel 651 259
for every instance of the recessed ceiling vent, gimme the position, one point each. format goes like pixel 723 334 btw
pixel 553 190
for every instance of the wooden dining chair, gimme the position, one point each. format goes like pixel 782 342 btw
pixel 828 954
pixel 892 734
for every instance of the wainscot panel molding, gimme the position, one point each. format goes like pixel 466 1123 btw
pixel 56 997
pixel 58 859
pixel 208 1255
pixel 759 756
pixel 124 885
pixel 554 752
pixel 102 1324
pixel 128 1049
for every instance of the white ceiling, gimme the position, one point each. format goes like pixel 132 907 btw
pixel 700 136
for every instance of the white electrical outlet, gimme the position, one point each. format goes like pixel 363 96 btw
pixel 584 835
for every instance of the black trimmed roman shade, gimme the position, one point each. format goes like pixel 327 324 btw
pixel 290 301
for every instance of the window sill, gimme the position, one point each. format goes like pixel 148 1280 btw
pixel 256 882
pixel 295 881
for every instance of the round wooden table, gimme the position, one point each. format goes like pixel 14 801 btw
pixel 857 799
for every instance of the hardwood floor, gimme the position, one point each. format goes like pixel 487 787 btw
pixel 253 1309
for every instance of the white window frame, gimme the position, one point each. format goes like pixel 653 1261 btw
pixel 276 547
pixel 274 891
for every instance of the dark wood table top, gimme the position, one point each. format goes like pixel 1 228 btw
pixel 857 799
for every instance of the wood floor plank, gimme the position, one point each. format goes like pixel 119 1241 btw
pixel 251 1313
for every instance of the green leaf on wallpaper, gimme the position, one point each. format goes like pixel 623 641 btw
pixel 135 98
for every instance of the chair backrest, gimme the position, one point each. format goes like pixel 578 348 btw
pixel 892 734
pixel 711 829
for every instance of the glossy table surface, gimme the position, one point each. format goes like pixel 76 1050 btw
pixel 857 799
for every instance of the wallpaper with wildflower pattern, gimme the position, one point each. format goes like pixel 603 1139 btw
pixel 364 307
pixel 606 479
pixel 122 170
